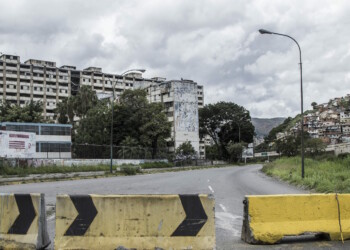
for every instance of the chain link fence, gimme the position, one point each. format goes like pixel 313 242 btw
pixel 89 151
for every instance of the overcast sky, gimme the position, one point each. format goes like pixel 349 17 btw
pixel 215 43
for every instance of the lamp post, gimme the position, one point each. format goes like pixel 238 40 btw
pixel 262 31
pixel 113 97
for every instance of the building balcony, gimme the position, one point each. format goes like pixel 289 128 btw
pixel 38 78
pixel 63 90
pixel 38 92
pixel 50 107
pixel 51 93
pixel 52 80
pixel 98 85
pixel 168 99
pixel 170 109
pixel 63 94
pixel 24 91
pixel 8 90
pixel 11 68
pixel 11 60
pixel 11 82
pixel 25 77
pixel 13 98
pixel 63 81
pixel 11 75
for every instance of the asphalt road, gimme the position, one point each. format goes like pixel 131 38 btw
pixel 228 185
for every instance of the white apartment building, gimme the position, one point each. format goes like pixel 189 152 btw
pixel 43 81
pixel 181 98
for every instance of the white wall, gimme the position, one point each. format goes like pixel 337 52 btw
pixel 186 114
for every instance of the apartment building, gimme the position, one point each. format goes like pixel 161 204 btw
pixel 43 81
pixel 182 99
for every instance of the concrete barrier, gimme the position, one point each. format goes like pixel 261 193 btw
pixel 268 218
pixel 135 222
pixel 23 221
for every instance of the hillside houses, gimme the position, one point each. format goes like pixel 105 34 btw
pixel 330 121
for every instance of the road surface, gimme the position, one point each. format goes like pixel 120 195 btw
pixel 229 185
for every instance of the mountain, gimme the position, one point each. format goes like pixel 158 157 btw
pixel 264 125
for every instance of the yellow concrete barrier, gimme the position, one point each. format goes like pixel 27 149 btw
pixel 135 221
pixel 23 221
pixel 268 218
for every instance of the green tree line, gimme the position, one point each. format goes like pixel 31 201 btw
pixel 31 112
pixel 230 128
pixel 136 122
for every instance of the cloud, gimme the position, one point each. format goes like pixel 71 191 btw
pixel 214 43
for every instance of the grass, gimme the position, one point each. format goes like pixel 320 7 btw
pixel 125 169
pixel 322 175
pixel 148 165
pixel 24 171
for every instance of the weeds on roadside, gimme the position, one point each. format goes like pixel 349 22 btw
pixel 331 174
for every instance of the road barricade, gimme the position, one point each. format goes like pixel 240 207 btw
pixel 268 218
pixel 135 222
pixel 23 221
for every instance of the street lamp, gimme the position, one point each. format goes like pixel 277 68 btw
pixel 113 97
pixel 262 31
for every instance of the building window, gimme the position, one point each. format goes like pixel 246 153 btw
pixel 55 130
pixel 23 128
pixel 53 147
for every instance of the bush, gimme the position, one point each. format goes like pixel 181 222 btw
pixel 6 169
pixel 148 165
pixel 343 155
pixel 130 169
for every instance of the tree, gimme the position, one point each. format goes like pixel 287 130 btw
pixel 291 145
pixel 65 111
pixel 287 146
pixel 94 128
pixel 185 150
pixel 344 103
pixel 84 101
pixel 225 122
pixel 155 128
pixel 133 117
pixel 130 148
pixel 235 151
pixel 212 153
pixel 30 112
pixel 129 115
pixel 78 106
pixel 4 110
pixel 315 146
pixel 146 122
pixel 314 104
pixel 262 147
pixel 280 128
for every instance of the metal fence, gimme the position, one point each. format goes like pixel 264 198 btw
pixel 89 151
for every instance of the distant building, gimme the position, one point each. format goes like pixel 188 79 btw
pixel 43 81
pixel 181 99
pixel 52 140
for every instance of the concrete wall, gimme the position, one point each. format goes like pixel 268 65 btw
pixel 87 162
pixel 186 114
pixel 53 155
